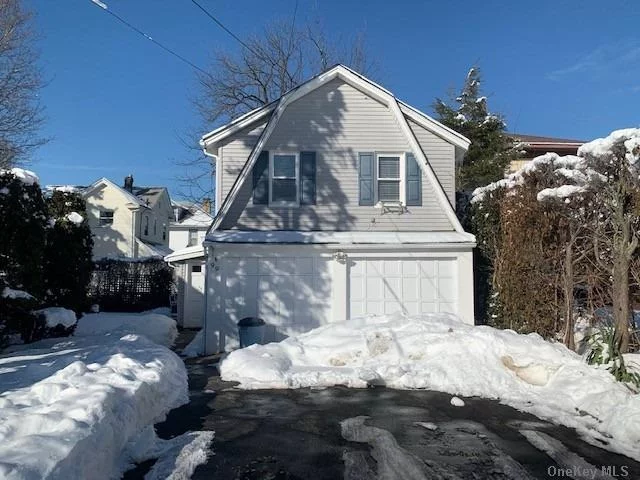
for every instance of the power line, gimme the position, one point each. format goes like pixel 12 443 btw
pixel 140 32
pixel 221 25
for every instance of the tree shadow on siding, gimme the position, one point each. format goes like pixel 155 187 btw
pixel 317 126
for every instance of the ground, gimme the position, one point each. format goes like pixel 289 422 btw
pixel 290 434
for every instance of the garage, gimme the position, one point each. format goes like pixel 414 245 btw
pixel 411 285
pixel 298 281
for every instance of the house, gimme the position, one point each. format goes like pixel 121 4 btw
pixel 128 221
pixel 186 235
pixel 533 146
pixel 335 201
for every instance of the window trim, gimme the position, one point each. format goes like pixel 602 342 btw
pixel 100 219
pixel 272 155
pixel 402 173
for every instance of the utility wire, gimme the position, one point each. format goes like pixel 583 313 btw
pixel 140 32
pixel 221 25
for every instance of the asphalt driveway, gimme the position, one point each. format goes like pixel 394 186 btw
pixel 375 433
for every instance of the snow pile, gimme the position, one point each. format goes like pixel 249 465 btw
pixel 438 352
pixel 25 176
pixel 156 327
pixel 629 137
pixel 196 346
pixel 69 408
pixel 75 217
pixel 55 316
pixel 177 458
pixel 13 294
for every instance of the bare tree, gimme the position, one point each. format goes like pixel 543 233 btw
pixel 21 114
pixel 266 67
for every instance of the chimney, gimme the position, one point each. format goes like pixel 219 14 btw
pixel 206 205
pixel 128 183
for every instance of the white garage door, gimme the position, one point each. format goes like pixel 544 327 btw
pixel 291 293
pixel 413 286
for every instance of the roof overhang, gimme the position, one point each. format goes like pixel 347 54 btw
pixel 197 251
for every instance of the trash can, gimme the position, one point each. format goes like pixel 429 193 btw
pixel 251 330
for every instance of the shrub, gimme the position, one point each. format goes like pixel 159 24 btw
pixel 605 350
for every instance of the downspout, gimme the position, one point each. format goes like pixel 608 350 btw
pixel 215 160
pixel 207 252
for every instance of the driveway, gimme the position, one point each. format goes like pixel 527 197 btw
pixel 375 433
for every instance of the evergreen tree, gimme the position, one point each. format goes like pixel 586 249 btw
pixel 68 253
pixel 491 149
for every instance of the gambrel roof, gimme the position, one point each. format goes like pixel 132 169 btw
pixel 400 110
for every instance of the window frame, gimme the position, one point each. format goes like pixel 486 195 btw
pixel 281 203
pixel 189 232
pixel 101 219
pixel 401 172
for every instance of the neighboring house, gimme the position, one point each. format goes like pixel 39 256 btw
pixel 335 201
pixel 186 234
pixel 128 221
pixel 532 146
pixel 189 225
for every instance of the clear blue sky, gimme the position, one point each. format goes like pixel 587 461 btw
pixel 117 104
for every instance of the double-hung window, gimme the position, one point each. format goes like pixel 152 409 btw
pixel 284 177
pixel 389 178
pixel 106 218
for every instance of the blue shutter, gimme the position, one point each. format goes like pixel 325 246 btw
pixel 413 181
pixel 366 178
pixel 307 178
pixel 261 179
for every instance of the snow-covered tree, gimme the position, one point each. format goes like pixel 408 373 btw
pixel 594 200
pixel 491 149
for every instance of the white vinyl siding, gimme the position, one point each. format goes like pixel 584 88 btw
pixel 336 121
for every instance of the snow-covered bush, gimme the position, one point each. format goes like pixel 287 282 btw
pixel 68 252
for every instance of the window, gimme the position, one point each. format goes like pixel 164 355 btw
pixel 106 218
pixel 193 237
pixel 196 268
pixel 146 225
pixel 283 173
pixel 164 232
pixel 155 227
pixel 389 178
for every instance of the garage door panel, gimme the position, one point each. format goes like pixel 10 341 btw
pixel 411 285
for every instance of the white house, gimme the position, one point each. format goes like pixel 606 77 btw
pixel 186 235
pixel 128 221
pixel 335 201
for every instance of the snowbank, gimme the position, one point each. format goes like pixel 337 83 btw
pixel 55 316
pixel 68 408
pixel 156 327
pixel 438 352
pixel 195 347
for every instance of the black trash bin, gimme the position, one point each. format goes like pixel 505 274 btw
pixel 251 331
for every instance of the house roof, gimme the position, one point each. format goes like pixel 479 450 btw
pixel 191 215
pixel 339 238
pixel 542 141
pixel 398 109
pixel 143 196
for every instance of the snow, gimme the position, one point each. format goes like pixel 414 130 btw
pixel 481 99
pixel 457 402
pixel 13 294
pixel 438 352
pixel 461 117
pixel 55 316
pixel 25 176
pixel 75 217
pixel 70 407
pixel 629 137
pixel 177 457
pixel 156 327
pixel 196 346
pixel 563 191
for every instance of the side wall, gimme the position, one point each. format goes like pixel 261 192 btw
pixel 116 239
pixel 336 121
